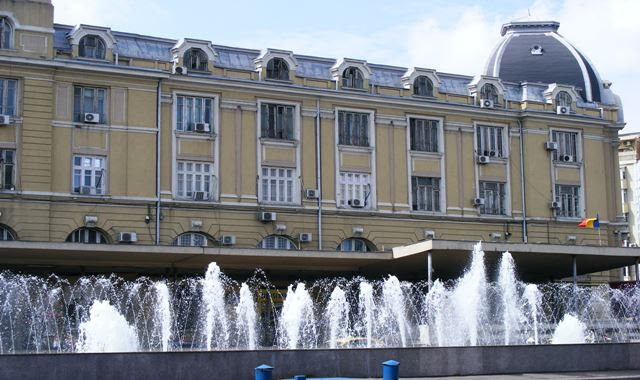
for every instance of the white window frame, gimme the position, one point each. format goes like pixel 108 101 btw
pixel 6 234
pixel 282 196
pixel 3 167
pixel 4 110
pixel 9 23
pixel 192 238
pixel 501 143
pixel 562 135
pixel 504 208
pixel 294 132
pixel 82 168
pixel 436 200
pixel 278 241
pixel 83 234
pixel 352 241
pixel 213 182
pixel 553 164
pixel 192 111
pixel 360 184
pixel 562 211
pixel 104 113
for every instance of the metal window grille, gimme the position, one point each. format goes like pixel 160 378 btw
pixel 352 78
pixel 91 47
pixel 277 68
pixel 425 193
pixel 277 242
pixel 278 185
pixel 569 198
pixel 87 236
pixel 5 234
pixel 424 135
pixel 89 100
pixel 194 176
pixel 190 239
pixel 192 110
pixel 6 34
pixel 423 86
pixel 196 59
pixel 89 176
pixel 353 128
pixel 567 145
pixel 489 141
pixel 277 121
pixel 354 186
pixel 490 92
pixel 563 99
pixel 494 197
pixel 354 245
pixel 8 96
pixel 7 168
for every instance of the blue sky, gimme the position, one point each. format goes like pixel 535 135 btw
pixel 445 35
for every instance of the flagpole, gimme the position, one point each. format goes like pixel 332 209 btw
pixel 599 241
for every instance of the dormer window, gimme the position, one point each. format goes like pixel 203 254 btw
pixel 277 68
pixel 489 92
pixel 91 47
pixel 563 99
pixel 6 34
pixel 423 86
pixel 352 78
pixel 196 59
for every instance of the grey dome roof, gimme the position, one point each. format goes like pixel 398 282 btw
pixel 533 51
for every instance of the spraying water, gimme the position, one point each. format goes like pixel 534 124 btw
pixel 394 309
pixel 106 331
pixel 532 296
pixel 469 297
pixel 297 321
pixel 216 323
pixel 569 331
pixel 163 313
pixel 366 310
pixel 246 319
pixel 508 287
pixel 338 314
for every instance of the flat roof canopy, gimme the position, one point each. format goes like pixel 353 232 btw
pixel 535 262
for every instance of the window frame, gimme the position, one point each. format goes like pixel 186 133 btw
pixel 197 54
pixel 562 102
pixel 438 133
pixel 78 117
pixel 283 75
pixel 429 84
pixel 290 196
pixel 191 235
pixel 495 97
pixel 7 234
pixel 367 200
pixel 347 81
pixel 578 203
pixel 100 235
pixel 99 40
pixel 436 200
pixel 505 199
pixel 365 244
pixel 103 181
pixel 3 167
pixel 502 142
pixel 368 129
pixel 4 39
pixel 5 96
pixel 577 157
pixel 213 180
pixel 213 113
pixel 291 245
pixel 294 120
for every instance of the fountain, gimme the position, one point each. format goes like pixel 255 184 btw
pixel 106 330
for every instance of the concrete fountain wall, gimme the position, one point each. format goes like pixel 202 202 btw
pixel 414 362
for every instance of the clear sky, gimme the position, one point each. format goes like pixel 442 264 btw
pixel 444 35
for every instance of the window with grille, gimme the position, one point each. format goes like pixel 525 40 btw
pixel 352 78
pixel 87 236
pixel 6 34
pixel 567 146
pixel 195 177
pixel 191 239
pixel 5 234
pixel 563 99
pixel 354 245
pixel 425 193
pixel 7 169
pixel 423 86
pixel 89 175
pixel 192 110
pixel 354 190
pixel 569 198
pixel 276 121
pixel 353 128
pixel 278 185
pixel 89 100
pixel 423 135
pixel 277 68
pixel 8 96
pixel 91 47
pixel 489 92
pixel 196 59
pixel 489 141
pixel 277 242
pixel 494 195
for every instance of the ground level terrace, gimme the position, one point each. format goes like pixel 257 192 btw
pixel 535 262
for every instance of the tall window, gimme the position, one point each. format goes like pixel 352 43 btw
pixel 353 128
pixel 87 236
pixel 195 59
pixel 563 99
pixel 5 234
pixel 569 198
pixel 277 121
pixel 424 135
pixel 195 180
pixel 89 100
pixel 91 47
pixel 89 176
pixel 8 96
pixel 423 86
pixel 191 239
pixel 352 78
pixel 192 110
pixel 354 190
pixel 490 92
pixel 567 146
pixel 7 168
pixel 6 34
pixel 277 242
pixel 277 68
pixel 489 141
pixel 493 194
pixel 354 245
pixel 278 185
pixel 425 193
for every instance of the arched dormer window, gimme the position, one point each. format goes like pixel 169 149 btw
pixel 352 78
pixel 6 234
pixel 88 236
pixel 489 92
pixel 423 86
pixel 6 34
pixel 277 242
pixel 277 68
pixel 191 239
pixel 196 59
pixel 355 245
pixel 91 47
pixel 563 99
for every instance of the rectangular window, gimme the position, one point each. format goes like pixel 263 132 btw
pixel 7 168
pixel 89 176
pixel 625 196
pixel 277 121
pixel 354 190
pixel 193 177
pixel 489 141
pixel 567 146
pixel 278 184
pixel 8 96
pixel 425 193
pixel 89 100
pixel 569 198
pixel 192 110
pixel 493 194
pixel 353 128
pixel 424 135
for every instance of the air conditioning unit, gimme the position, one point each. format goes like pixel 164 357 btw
pixel 228 239
pixel 127 237
pixel 566 158
pixel 551 145
pixel 202 127
pixel 496 235
pixel 91 118
pixel 5 119
pixel 356 203
pixel 478 201
pixel 268 216
pixel 179 70
pixel 311 193
pixel 486 103
pixel 87 190
pixel 563 110
pixel 305 237
pixel 90 220
pixel 200 196
pixel 483 159
pixel 555 205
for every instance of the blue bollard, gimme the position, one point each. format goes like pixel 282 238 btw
pixel 390 370
pixel 299 377
pixel 264 372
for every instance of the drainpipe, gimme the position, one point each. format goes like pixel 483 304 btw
pixel 158 157
pixel 522 184
pixel 319 174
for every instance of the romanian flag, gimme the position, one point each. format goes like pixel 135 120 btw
pixel 590 223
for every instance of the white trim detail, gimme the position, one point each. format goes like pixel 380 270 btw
pixel 81 30
pixel 185 44
pixel 342 64
pixel 268 54
pixel 553 90
pixel 410 76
